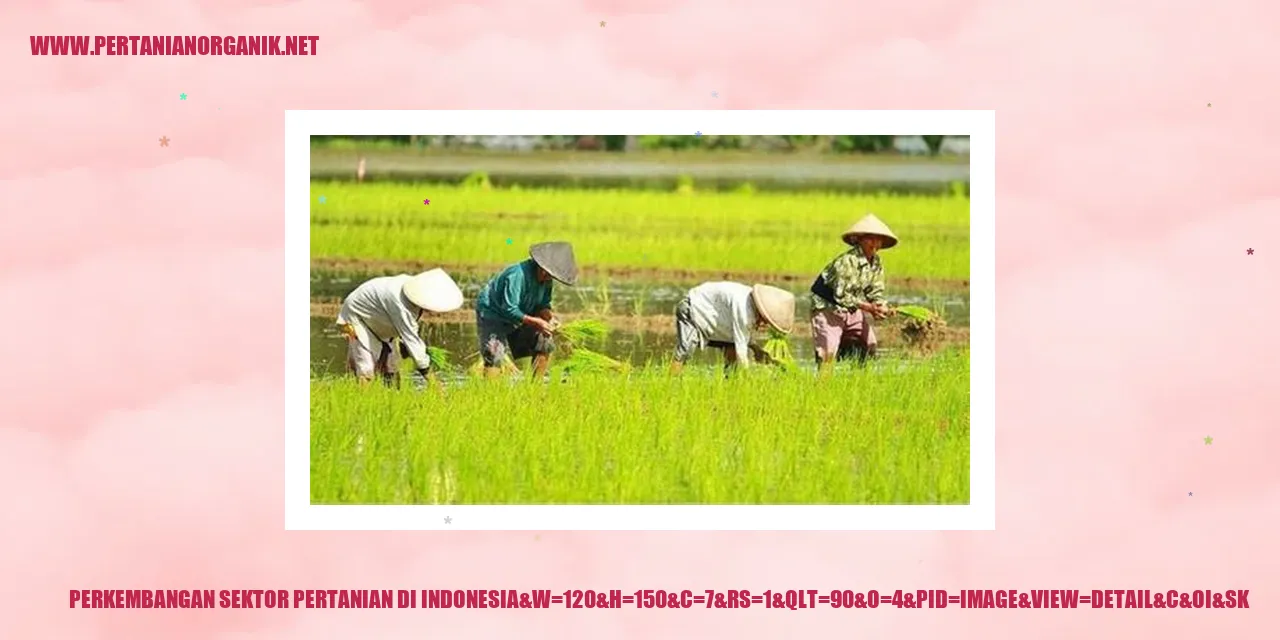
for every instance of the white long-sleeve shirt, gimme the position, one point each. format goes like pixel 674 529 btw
pixel 380 305
pixel 723 312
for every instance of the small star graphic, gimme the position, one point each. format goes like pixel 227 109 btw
pixel 321 199
pixel 1249 251
pixel 602 23
pixel 1208 440
pixel 715 94
pixel 1188 493
pixel 448 520
pixel 164 141
pixel 1211 104
pixel 697 134
pixel 426 202
pixel 182 96
pixel 508 240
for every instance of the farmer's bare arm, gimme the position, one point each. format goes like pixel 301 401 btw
pixel 539 324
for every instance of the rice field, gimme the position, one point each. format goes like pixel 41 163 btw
pixel 714 232
pixel 609 426
pixel 895 433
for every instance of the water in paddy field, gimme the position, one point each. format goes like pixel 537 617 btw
pixel 632 298
pixel 637 346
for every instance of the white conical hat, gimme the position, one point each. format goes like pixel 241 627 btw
pixel 433 291
pixel 776 306
pixel 870 225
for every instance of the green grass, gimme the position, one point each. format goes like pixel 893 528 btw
pixel 892 435
pixel 778 233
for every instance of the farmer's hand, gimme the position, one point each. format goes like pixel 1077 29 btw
pixel 545 314
pixel 875 310
pixel 538 324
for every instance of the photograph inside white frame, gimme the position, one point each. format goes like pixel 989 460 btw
pixel 517 323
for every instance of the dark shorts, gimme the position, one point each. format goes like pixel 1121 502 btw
pixel 498 341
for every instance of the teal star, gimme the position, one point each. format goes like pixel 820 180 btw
pixel 321 199
pixel 183 96
pixel 508 240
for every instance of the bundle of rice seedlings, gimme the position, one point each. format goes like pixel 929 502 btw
pixel 583 333
pixel 779 350
pixel 574 339
pixel 585 360
pixel 921 327
pixel 441 359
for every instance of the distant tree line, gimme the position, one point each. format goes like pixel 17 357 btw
pixel 828 144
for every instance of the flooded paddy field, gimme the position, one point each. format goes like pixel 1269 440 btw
pixel 639 313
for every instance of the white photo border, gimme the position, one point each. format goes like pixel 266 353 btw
pixel 300 514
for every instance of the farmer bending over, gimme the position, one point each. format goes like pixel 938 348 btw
pixel 723 315
pixel 386 310
pixel 849 293
pixel 513 310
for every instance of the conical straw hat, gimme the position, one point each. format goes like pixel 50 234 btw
pixel 556 258
pixel 433 291
pixel 776 306
pixel 872 226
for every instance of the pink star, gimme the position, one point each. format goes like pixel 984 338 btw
pixel 426 202
pixel 1250 251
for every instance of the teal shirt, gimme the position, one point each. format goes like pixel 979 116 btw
pixel 513 294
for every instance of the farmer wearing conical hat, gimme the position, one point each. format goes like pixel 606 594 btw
pixel 386 310
pixel 849 293
pixel 723 315
pixel 513 310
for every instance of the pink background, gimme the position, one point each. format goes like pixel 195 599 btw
pixel 140 422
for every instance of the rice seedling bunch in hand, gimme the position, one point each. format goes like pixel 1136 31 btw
pixel 581 334
pixel 778 350
pixel 575 339
pixel 921 327
pixel 441 359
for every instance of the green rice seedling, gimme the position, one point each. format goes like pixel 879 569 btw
pixel 574 340
pixel 604 301
pixel 477 180
pixel 900 436
pixel 637 303
pixel 922 327
pixel 779 350
pixel 583 333
pixel 915 311
pixel 585 360
pixel 441 359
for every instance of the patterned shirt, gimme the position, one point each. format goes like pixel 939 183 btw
pixel 513 294
pixel 853 279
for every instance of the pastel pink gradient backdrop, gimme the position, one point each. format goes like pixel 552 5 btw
pixel 140 421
